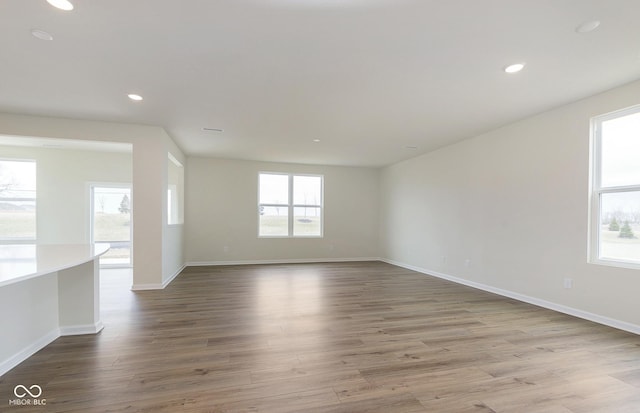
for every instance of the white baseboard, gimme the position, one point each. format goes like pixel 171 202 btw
pixel 611 322
pixel 175 274
pixel 283 261
pixel 145 287
pixel 29 351
pixel 81 329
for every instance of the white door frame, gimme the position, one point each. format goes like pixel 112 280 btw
pixel 92 187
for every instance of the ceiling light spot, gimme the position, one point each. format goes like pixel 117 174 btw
pixel 514 68
pixel 316 140
pixel 135 97
pixel 61 4
pixel 41 34
pixel 588 27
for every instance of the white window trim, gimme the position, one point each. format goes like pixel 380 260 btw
pixel 90 186
pixel 596 190
pixel 291 206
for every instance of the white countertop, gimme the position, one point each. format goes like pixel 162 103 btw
pixel 19 262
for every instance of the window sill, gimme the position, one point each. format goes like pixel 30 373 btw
pixel 632 265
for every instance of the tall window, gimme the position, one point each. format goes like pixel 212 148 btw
pixel 290 205
pixel 111 223
pixel 175 191
pixel 17 201
pixel 616 188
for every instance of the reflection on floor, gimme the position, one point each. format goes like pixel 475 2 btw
pixel 115 292
pixel 329 338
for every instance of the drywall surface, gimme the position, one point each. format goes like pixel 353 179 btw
pixel 509 210
pixel 222 214
pixel 63 179
pixel 152 240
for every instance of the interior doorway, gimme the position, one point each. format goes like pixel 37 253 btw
pixel 111 208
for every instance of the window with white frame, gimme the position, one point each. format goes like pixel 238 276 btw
pixel 290 205
pixel 175 191
pixel 17 200
pixel 615 204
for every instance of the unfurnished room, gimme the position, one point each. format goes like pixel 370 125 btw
pixel 323 206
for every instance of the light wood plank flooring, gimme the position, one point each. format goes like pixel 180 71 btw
pixel 339 338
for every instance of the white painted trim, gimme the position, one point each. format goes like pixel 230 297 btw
pixel 29 351
pixel 81 329
pixel 285 261
pixel 168 280
pixel 145 287
pixel 596 318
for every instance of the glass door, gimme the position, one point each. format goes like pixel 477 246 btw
pixel 111 209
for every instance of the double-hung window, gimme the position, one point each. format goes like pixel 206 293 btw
pixel 17 200
pixel 615 202
pixel 290 205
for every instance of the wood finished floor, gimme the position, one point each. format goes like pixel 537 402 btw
pixel 338 338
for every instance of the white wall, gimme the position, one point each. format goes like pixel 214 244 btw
pixel 221 211
pixel 63 209
pixel 155 247
pixel 514 203
pixel 173 235
pixel 29 319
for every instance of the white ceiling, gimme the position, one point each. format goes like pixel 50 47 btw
pixel 367 77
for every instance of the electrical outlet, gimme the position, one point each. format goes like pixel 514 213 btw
pixel 467 263
pixel 225 249
pixel 568 282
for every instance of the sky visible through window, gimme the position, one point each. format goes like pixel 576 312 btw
pixel 621 151
pixel 17 179
pixel 17 200
pixel 619 191
pixel 621 161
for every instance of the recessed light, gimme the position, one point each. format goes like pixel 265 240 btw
pixel 587 27
pixel 61 4
pixel 514 68
pixel 41 34
pixel 316 140
pixel 135 97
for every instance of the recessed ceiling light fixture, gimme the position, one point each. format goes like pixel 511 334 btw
pixel 41 34
pixel 316 140
pixel 514 68
pixel 135 97
pixel 61 4
pixel 588 27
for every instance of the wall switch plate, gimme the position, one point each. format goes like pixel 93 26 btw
pixel 568 282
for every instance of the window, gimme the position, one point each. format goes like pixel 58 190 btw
pixel 17 201
pixel 175 191
pixel 111 207
pixel 290 205
pixel 615 204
